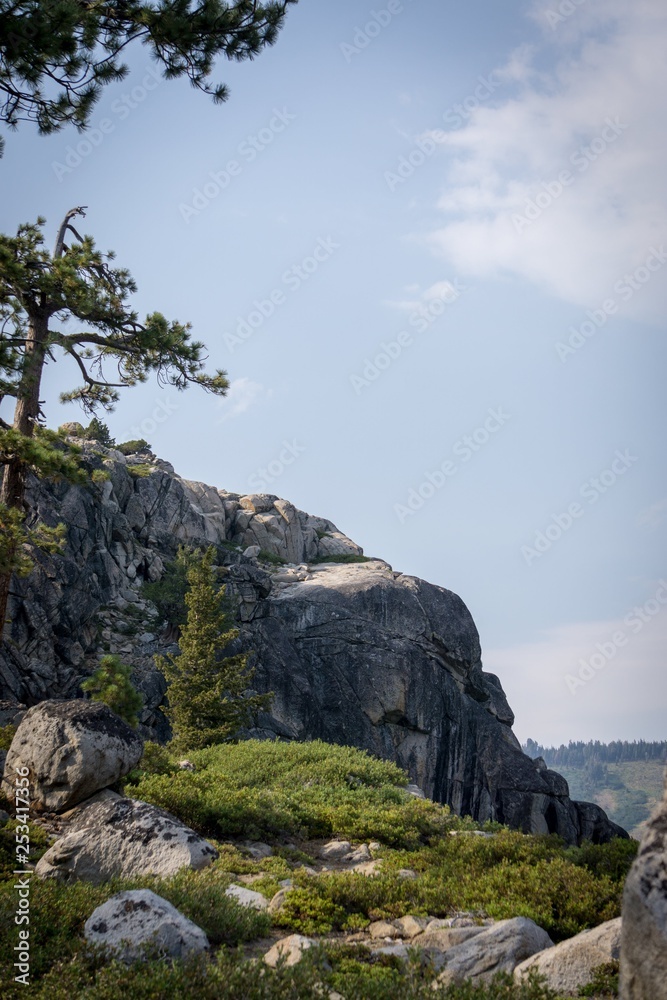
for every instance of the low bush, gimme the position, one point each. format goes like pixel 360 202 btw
pixel 262 789
pixel 132 447
pixel 141 470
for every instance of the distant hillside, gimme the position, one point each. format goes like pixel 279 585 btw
pixel 624 778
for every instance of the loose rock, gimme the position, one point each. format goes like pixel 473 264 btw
pixel 124 838
pixel 71 749
pixel 290 948
pixel 496 949
pixel 133 920
pixel 247 897
pixel 569 965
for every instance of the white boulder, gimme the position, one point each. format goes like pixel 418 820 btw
pixel 124 838
pixel 71 749
pixel 133 921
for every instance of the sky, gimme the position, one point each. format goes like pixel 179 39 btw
pixel 428 243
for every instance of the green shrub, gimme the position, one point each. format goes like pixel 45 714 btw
pixel 613 859
pixel 309 913
pixel 140 471
pixel 262 789
pixel 270 557
pixel 58 913
pixel 38 844
pixel 7 734
pixel 604 982
pixel 132 447
pixel 111 684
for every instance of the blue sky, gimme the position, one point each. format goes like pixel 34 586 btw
pixel 427 242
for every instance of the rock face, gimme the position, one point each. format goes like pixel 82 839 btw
pixel 355 653
pixel 644 935
pixel 497 949
pixel 72 749
pixel 124 838
pixel 570 964
pixel 130 921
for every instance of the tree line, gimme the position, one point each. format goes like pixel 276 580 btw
pixel 579 754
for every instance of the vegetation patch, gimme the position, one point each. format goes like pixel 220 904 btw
pixel 140 471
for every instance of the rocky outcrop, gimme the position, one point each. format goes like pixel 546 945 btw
pixel 569 965
pixel 124 838
pixel 644 935
pixel 354 652
pixel 71 750
pixel 136 920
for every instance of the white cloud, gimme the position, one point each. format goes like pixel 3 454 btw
pixel 612 704
pixel 241 395
pixel 603 223
pixel 444 290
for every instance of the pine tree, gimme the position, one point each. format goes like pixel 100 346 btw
pixel 57 55
pixel 38 292
pixel 208 692
pixel 111 684
pixel 98 431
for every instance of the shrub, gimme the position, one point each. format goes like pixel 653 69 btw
pixel 308 913
pixel 613 859
pixel 141 471
pixel 604 982
pixel 38 845
pixel 7 734
pixel 263 789
pixel 270 557
pixel 111 684
pixel 132 447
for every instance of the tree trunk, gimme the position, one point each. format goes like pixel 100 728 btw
pixel 12 491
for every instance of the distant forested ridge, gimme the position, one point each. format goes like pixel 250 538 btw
pixel 625 779
pixel 578 754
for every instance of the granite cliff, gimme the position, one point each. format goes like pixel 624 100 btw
pixel 354 652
